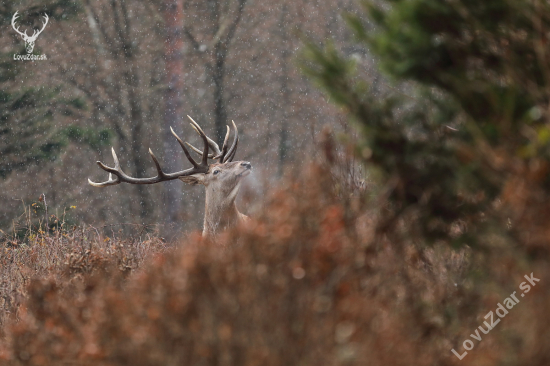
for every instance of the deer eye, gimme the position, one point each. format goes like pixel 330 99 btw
pixel 216 172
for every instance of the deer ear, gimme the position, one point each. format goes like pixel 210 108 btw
pixel 193 179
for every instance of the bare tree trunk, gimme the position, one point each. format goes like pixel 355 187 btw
pixel 145 209
pixel 221 50
pixel 284 137
pixel 173 48
pixel 220 113
pixel 225 25
pixel 131 79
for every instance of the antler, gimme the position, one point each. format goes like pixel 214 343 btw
pixel 17 28
pixel 121 177
pixel 36 33
pixel 224 155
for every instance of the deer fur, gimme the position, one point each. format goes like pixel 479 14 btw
pixel 222 183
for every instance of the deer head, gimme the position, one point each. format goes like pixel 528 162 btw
pixel 29 41
pixel 222 178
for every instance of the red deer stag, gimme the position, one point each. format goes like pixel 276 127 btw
pixel 222 179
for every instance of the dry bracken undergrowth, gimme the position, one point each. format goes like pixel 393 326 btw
pixel 305 283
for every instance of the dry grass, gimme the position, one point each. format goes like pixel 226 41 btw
pixel 64 255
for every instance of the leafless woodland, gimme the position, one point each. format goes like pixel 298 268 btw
pixel 237 62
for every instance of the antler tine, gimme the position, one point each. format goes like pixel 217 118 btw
pixel 111 181
pixel 197 150
pixel 160 173
pixel 216 152
pixel 233 150
pixel 224 146
pixel 232 155
pixel 115 158
pixel 214 148
pixel 109 169
pixel 213 145
pixel 204 139
pixel 186 152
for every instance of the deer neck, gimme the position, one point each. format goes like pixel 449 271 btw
pixel 220 211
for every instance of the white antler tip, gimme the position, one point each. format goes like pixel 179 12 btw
pixel 114 156
pixel 175 134
pixel 94 184
pixel 195 128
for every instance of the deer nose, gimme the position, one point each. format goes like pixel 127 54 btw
pixel 246 164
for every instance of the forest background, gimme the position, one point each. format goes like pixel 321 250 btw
pixel 106 83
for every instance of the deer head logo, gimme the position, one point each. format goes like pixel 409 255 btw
pixel 29 41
